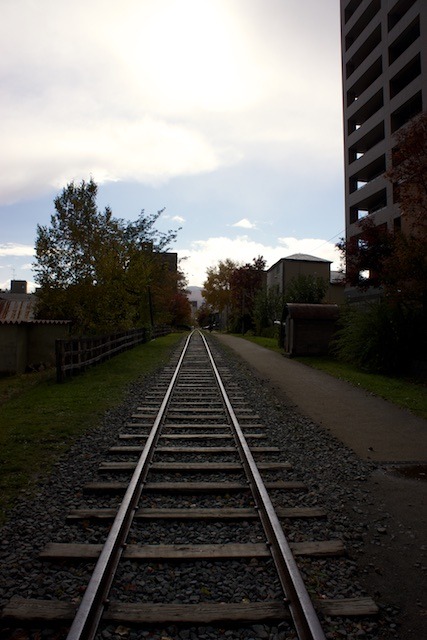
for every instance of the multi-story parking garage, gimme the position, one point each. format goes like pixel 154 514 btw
pixel 384 62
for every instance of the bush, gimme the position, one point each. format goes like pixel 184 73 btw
pixel 376 338
pixel 269 332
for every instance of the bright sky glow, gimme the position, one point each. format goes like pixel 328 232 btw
pixel 226 113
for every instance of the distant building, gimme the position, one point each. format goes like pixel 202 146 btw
pixel 280 275
pixel 196 299
pixel 18 286
pixel 384 70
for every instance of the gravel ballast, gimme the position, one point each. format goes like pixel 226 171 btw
pixel 336 481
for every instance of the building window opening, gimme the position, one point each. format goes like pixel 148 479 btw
pixel 398 11
pixel 408 110
pixel 405 76
pixel 365 81
pixel 372 9
pixel 404 41
pixel 351 8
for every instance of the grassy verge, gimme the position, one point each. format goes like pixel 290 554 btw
pixel 39 419
pixel 267 343
pixel 406 394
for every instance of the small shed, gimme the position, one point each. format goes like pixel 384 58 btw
pixel 309 328
pixel 26 343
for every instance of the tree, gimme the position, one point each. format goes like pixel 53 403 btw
pixel 267 309
pixel 205 315
pixel 397 264
pixel 407 266
pixel 365 255
pixel 397 261
pixel 216 287
pixel 245 283
pixel 408 173
pixel 95 269
pixel 307 289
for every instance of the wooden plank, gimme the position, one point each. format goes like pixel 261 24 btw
pixel 254 450
pixel 63 551
pixel 146 425
pixel 167 514
pixel 205 613
pixel 318 548
pixel 198 405
pixel 189 449
pixel 196 436
pixel 191 425
pixel 204 416
pixel 195 514
pixel 25 610
pixel 193 487
pixel 182 467
pixel 348 607
pixel 300 512
pixel 116 466
pixel 49 611
pixel 207 436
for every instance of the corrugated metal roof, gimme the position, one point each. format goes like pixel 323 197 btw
pixel 16 311
pixel 18 308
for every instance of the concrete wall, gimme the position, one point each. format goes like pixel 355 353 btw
pixel 41 343
pixel 284 271
pixel 25 346
pixel 295 268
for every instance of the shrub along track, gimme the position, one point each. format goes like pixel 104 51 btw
pixel 195 540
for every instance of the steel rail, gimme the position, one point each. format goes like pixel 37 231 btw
pixel 301 607
pixel 94 601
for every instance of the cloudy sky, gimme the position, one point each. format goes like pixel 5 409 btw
pixel 225 112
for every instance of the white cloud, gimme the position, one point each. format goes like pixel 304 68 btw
pixel 244 223
pixel 179 219
pixel 203 254
pixel 129 100
pixel 11 249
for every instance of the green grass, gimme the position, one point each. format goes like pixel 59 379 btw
pixel 40 419
pixel 267 343
pixel 402 392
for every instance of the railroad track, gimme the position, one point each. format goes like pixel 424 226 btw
pixel 198 466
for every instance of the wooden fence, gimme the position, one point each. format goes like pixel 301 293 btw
pixel 77 354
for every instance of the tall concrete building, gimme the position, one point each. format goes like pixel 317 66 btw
pixel 384 69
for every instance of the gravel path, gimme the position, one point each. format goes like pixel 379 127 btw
pixel 336 481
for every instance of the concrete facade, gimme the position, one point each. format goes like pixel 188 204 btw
pixel 384 70
pixel 280 274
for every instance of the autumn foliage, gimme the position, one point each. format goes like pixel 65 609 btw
pixel 231 289
pixel 394 263
pixel 103 273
